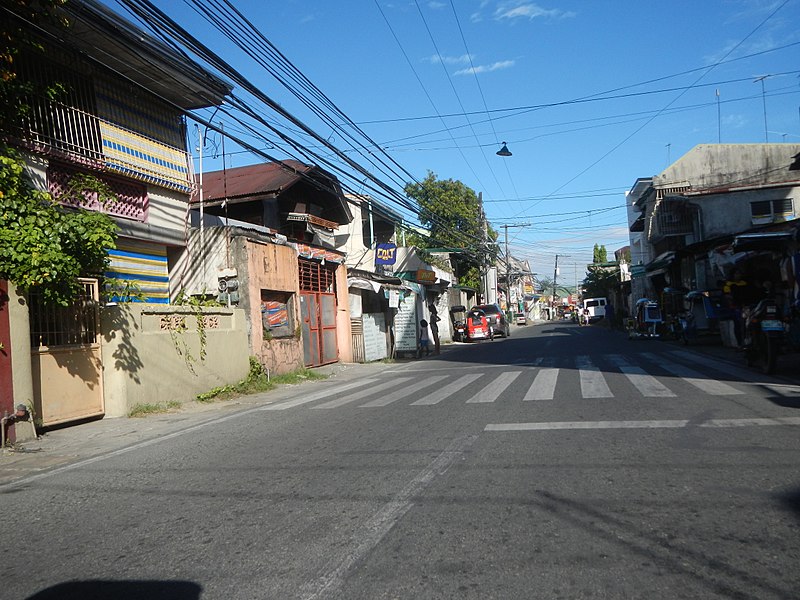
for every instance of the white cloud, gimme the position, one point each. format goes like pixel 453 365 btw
pixel 528 10
pixel 502 64
pixel 436 5
pixel 464 59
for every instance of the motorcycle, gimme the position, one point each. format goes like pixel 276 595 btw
pixel 765 335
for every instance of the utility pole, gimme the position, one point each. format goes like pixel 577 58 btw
pixel 508 263
pixel 555 274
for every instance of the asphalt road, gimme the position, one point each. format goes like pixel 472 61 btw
pixel 564 462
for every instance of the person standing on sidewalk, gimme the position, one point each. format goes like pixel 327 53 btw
pixel 434 326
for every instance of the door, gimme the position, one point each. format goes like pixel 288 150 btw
pixel 66 362
pixel 318 313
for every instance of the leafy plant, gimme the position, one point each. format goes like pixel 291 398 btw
pixel 258 381
pixel 43 244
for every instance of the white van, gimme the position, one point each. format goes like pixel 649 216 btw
pixel 597 308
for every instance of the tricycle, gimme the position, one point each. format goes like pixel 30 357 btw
pixel 647 320
pixel 458 317
pixel 478 326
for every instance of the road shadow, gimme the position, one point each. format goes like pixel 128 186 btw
pixel 121 590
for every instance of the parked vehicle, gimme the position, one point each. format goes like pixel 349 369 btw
pixel 497 320
pixel 596 307
pixel 477 324
pixel 521 319
pixel 765 335
pixel 458 318
pixel 647 320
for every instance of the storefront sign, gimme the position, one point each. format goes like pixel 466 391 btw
pixel 385 254
pixel 425 276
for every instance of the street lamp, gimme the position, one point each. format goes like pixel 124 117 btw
pixel 504 151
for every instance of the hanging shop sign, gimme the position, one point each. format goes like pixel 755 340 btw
pixel 426 276
pixel 385 254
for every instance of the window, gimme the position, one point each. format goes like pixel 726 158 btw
pixel 277 314
pixel 770 211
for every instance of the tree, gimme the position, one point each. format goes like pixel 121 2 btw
pixel 599 282
pixel 599 255
pixel 452 214
pixel 42 244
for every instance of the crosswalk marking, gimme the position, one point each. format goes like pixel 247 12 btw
pixel 328 391
pixel 593 385
pixel 362 394
pixel 404 392
pixel 497 381
pixel 544 386
pixel 447 390
pixel 492 391
pixel 648 385
pixel 695 378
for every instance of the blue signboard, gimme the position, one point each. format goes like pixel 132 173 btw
pixel 385 254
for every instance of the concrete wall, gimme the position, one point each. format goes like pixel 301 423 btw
pixel 732 166
pixel 22 374
pixel 343 330
pixel 724 214
pixel 148 358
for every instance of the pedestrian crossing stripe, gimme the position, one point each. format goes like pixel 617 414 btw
pixel 492 385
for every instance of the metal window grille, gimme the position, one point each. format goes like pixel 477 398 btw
pixel 315 277
pixel 77 324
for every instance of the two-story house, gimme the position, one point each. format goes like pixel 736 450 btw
pixel 119 117
pixel 683 221
pixel 266 241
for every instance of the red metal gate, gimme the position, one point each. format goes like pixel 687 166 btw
pixel 318 313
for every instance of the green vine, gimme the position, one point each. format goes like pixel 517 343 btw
pixel 196 305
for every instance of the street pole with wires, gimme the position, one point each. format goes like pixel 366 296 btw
pixel 508 264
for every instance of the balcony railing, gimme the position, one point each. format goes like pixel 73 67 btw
pixel 78 137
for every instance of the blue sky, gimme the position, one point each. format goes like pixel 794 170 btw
pixel 588 95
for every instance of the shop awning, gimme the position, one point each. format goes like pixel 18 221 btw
pixel 768 240
pixel 661 263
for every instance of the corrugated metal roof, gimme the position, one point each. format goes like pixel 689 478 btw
pixel 272 179
pixel 252 180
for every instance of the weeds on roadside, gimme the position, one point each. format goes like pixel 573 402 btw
pixel 141 410
pixel 257 381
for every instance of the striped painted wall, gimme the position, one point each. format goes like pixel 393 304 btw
pixel 137 156
pixel 142 264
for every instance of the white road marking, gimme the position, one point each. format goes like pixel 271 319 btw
pixel 648 385
pixel 405 392
pixel 328 391
pixel 362 394
pixel 667 424
pixel 713 387
pixel 447 391
pixel 544 386
pixel 593 385
pixel 372 533
pixel 492 392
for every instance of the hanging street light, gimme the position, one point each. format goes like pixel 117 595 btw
pixel 504 151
